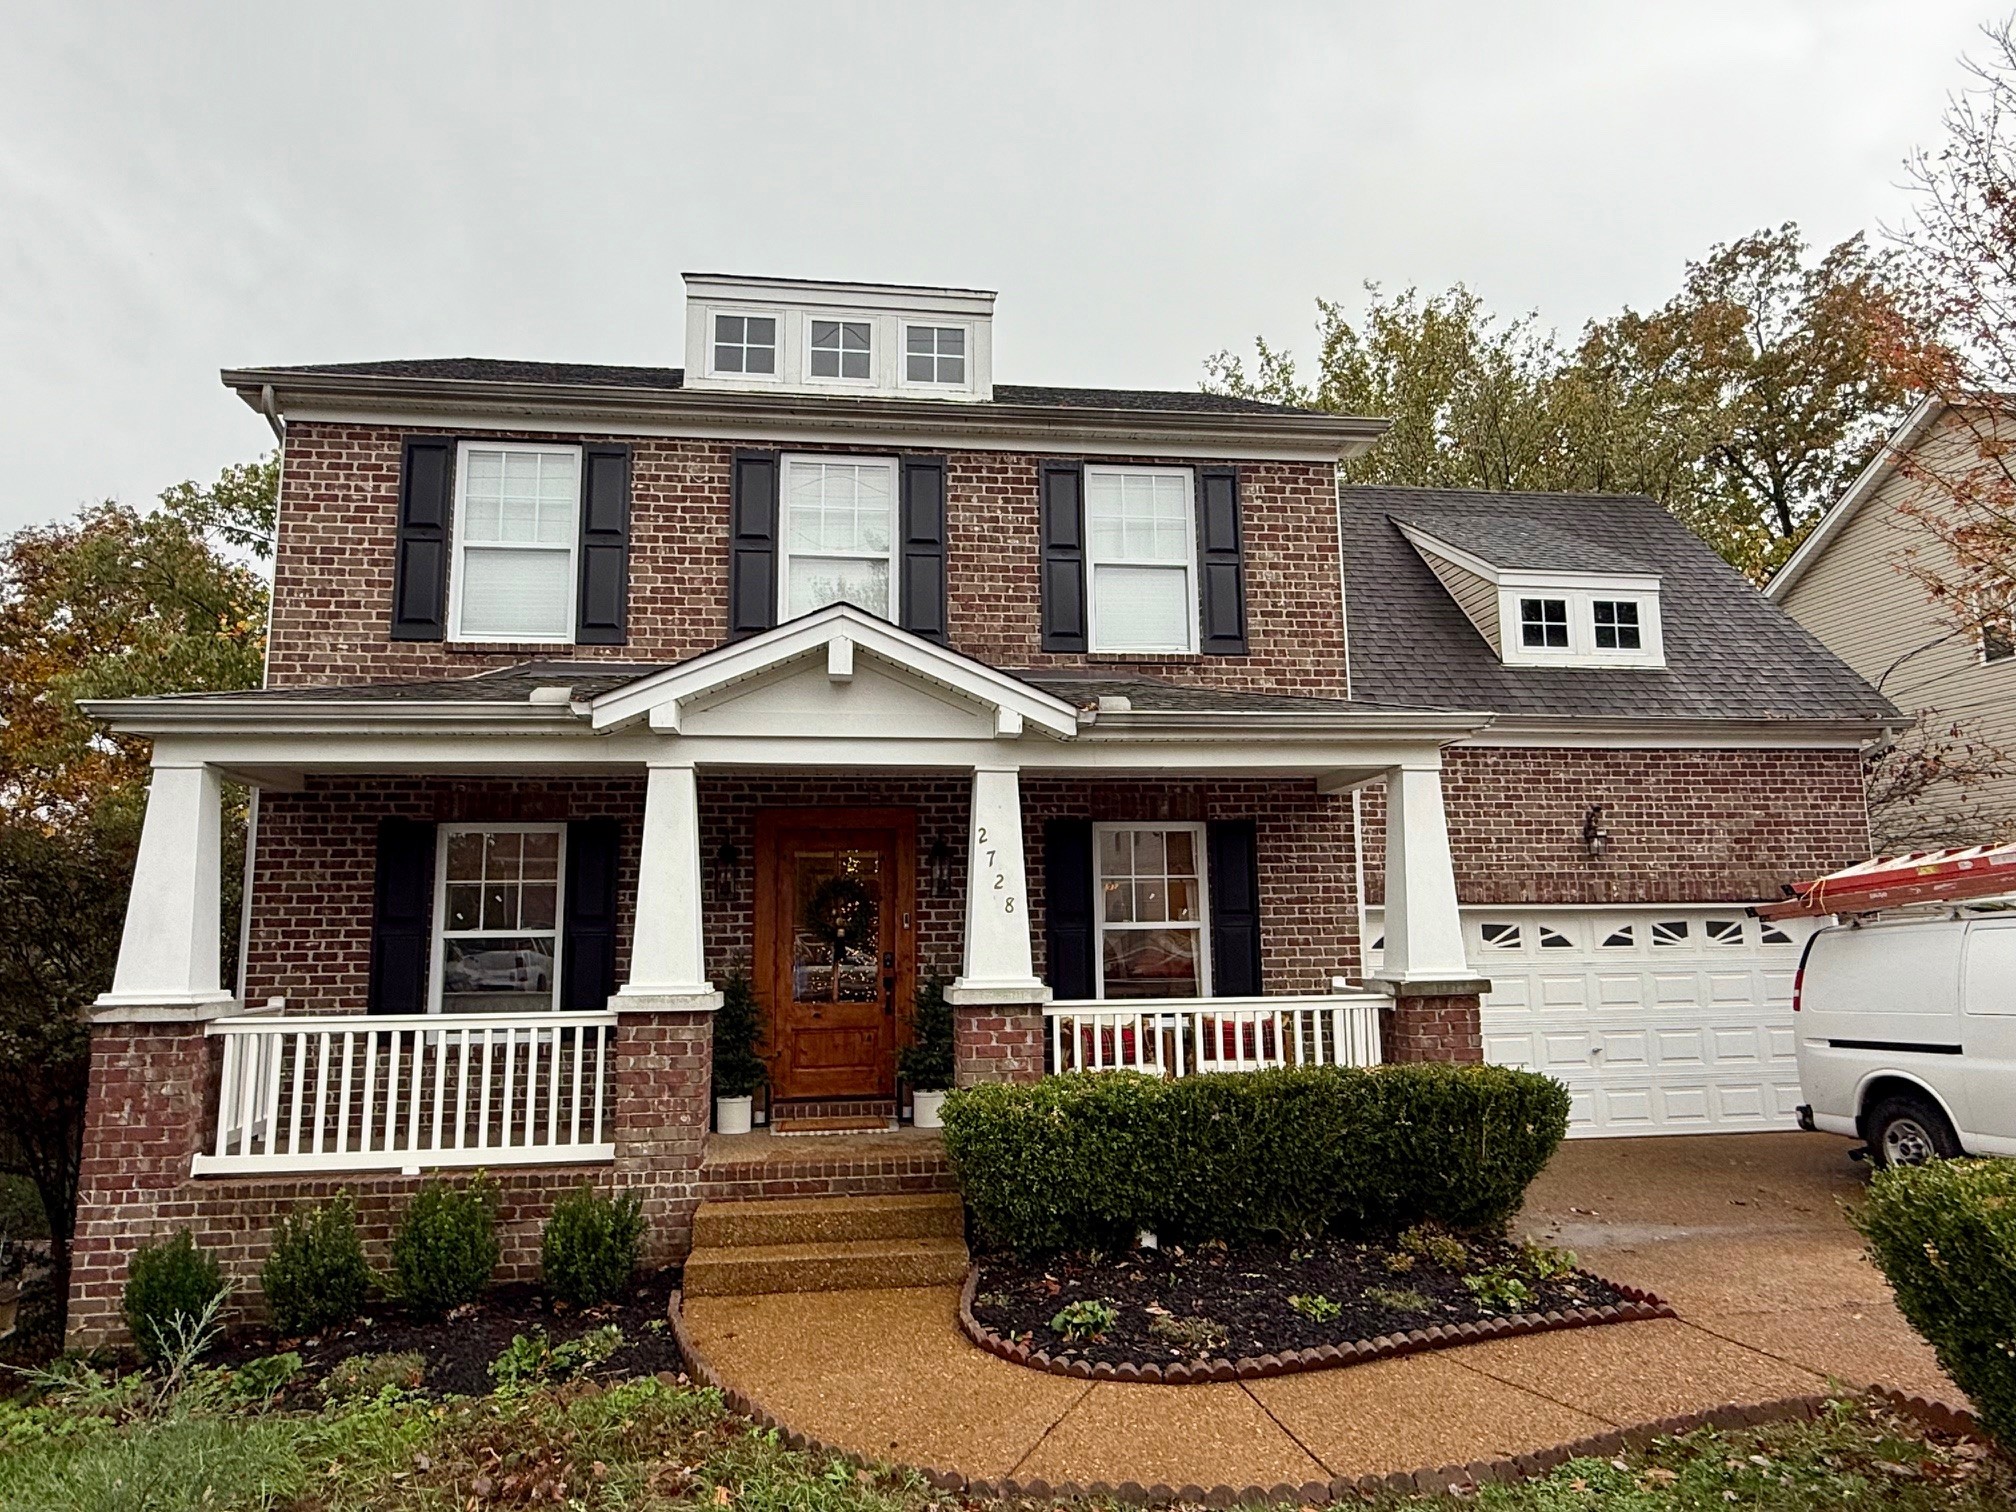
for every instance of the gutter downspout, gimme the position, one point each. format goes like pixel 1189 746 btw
pixel 271 411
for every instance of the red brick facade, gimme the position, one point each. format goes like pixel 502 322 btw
pixel 1684 826
pixel 1433 1029
pixel 332 584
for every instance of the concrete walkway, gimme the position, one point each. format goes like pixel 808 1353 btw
pixel 1741 1233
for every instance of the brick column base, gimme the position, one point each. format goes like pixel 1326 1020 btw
pixel 664 1074
pixel 997 1042
pixel 151 1105
pixel 1441 1027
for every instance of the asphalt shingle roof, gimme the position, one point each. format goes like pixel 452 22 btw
pixel 1515 544
pixel 586 374
pixel 1730 652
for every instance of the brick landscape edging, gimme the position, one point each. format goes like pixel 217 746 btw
pixel 1938 1416
pixel 1638 1306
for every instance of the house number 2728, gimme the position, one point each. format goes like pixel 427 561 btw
pixel 1000 878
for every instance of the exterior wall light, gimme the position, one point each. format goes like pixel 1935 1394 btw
pixel 1595 839
pixel 721 873
pixel 940 862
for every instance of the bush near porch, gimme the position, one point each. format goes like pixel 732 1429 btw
pixel 1944 1234
pixel 1089 1160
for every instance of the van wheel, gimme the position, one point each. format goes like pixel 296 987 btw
pixel 1908 1131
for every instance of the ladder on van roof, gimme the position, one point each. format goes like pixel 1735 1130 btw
pixel 1968 875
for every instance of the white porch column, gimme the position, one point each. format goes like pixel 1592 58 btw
pixel 1424 931
pixel 1000 965
pixel 668 962
pixel 168 953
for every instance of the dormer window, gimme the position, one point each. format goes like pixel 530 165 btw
pixel 841 349
pixel 1543 623
pixel 934 354
pixel 745 344
pixel 1541 597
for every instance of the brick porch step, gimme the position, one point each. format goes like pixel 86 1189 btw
pixel 825 1220
pixel 836 1265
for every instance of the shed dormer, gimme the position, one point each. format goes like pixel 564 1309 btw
pixel 1542 597
pixel 809 336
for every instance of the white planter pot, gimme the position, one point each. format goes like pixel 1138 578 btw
pixel 731 1114
pixel 924 1107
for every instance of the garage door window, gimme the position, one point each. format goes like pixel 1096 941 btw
pixel 1621 939
pixel 1771 934
pixel 1725 931
pixel 1667 933
pixel 1553 939
pixel 1501 936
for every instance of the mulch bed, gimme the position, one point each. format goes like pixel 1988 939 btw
pixel 459 1349
pixel 1216 1313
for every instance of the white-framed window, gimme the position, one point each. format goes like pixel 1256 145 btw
pixel 1140 529
pixel 1725 932
pixel 1998 640
pixel 838 534
pixel 1770 934
pixel 935 354
pixel 497 917
pixel 1668 934
pixel 1624 937
pixel 1553 939
pixel 842 349
pixel 1501 936
pixel 1153 941
pixel 743 345
pixel 1543 624
pixel 517 528
pixel 1616 626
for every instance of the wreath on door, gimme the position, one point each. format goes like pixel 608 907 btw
pixel 841 911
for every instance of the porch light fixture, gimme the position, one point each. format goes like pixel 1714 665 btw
pixel 1595 839
pixel 721 873
pixel 940 862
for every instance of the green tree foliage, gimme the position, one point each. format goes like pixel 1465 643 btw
pixel 1744 403
pixel 108 603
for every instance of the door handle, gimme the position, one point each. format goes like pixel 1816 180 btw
pixel 889 997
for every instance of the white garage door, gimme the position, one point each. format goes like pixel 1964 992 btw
pixel 1660 1020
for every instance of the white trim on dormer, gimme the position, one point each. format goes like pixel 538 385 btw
pixel 1578 592
pixel 659 697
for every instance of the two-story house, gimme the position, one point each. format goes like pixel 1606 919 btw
pixel 829 662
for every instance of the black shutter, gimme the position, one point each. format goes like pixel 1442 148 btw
pixel 1067 908
pixel 605 545
pixel 400 941
pixel 1062 504
pixel 1235 907
pixel 923 593
pixel 420 568
pixel 1220 568
pixel 588 942
pixel 752 544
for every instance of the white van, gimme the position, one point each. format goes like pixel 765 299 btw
pixel 1907 1035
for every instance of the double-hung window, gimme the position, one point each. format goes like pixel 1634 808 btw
pixel 1151 911
pixel 839 534
pixel 497 917
pixel 841 349
pixel 516 531
pixel 1140 524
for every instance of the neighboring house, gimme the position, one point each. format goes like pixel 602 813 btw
pixel 1851 583
pixel 831 661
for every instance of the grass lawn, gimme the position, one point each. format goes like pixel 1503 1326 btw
pixel 210 1442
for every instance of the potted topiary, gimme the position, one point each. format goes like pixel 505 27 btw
pixel 738 1069
pixel 926 1062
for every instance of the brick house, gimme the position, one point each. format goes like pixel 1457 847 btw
pixel 829 664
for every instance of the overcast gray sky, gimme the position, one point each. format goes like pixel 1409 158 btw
pixel 188 186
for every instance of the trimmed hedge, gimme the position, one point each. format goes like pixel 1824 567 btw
pixel 445 1247
pixel 168 1287
pixel 589 1246
pixel 1087 1160
pixel 315 1276
pixel 1944 1234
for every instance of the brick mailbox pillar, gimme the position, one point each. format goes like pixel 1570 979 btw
pixel 150 1109
pixel 1433 1021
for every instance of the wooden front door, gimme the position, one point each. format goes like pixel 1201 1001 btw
pixel 835 946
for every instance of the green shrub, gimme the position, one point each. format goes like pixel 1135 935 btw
pixel 1089 1160
pixel 1316 1307
pixel 315 1277
pixel 446 1246
pixel 1945 1236
pixel 168 1287
pixel 926 1062
pixel 1499 1289
pixel 366 1375
pixel 590 1244
pixel 738 1069
pixel 1087 1319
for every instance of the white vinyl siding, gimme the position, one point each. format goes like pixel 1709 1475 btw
pixel 517 527
pixel 1140 526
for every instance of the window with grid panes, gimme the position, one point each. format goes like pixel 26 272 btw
pixel 1151 911
pixel 839 532
pixel 497 926
pixel 516 528
pixel 1138 528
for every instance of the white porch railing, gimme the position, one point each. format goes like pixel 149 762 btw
pixel 1185 1036
pixel 366 1093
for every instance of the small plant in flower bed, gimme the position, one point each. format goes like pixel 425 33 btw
pixel 1215 1301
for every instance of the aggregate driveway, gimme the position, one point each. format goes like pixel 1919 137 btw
pixel 1742 1233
